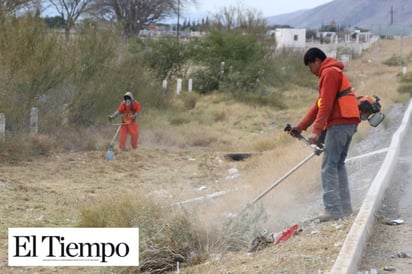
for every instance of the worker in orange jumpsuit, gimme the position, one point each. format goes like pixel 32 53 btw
pixel 129 109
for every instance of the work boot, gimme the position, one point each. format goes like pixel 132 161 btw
pixel 326 218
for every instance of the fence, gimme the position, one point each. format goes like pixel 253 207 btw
pixel 179 85
pixel 34 123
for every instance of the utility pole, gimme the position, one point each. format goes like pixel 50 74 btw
pixel 391 15
pixel 178 17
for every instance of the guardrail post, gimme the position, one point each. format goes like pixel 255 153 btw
pixel 2 126
pixel 34 121
pixel 190 85
pixel 179 86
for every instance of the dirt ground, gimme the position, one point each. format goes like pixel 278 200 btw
pixel 51 191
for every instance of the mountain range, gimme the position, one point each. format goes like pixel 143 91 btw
pixel 368 14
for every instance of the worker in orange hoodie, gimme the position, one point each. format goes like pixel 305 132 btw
pixel 129 108
pixel 335 117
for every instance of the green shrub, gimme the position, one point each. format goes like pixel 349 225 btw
pixel 166 58
pixel 405 88
pixel 405 84
pixel 205 81
pixel 394 60
pixel 230 61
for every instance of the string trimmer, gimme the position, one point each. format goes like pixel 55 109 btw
pixel 317 150
pixel 115 136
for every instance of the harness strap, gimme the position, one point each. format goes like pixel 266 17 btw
pixel 344 92
pixel 132 110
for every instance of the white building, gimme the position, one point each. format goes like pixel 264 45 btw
pixel 289 38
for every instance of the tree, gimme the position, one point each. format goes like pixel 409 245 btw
pixel 29 68
pixel 168 58
pixel 232 18
pixel 10 7
pixel 70 11
pixel 238 62
pixel 54 22
pixel 134 15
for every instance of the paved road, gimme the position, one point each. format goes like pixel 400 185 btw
pixel 389 243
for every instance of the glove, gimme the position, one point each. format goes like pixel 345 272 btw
pixel 313 139
pixel 295 132
pixel 110 118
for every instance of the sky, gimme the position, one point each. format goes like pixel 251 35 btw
pixel 266 7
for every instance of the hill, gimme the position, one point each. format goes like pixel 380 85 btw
pixel 367 14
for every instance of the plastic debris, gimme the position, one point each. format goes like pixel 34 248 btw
pixel 389 268
pixel 395 222
pixel 234 173
pixel 233 176
pixel 401 254
pixel 286 234
pixel 372 271
pixel 233 170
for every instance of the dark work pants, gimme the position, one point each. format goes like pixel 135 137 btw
pixel 336 193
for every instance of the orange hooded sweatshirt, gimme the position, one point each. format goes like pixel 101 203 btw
pixel 326 112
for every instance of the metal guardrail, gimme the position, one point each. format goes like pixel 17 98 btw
pixel 392 30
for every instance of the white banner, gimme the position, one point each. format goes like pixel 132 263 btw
pixel 39 246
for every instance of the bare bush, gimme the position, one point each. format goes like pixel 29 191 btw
pixel 20 147
pixel 167 236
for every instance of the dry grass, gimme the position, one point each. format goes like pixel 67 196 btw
pixel 167 235
pixel 313 250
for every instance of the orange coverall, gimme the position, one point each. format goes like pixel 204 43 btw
pixel 129 124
